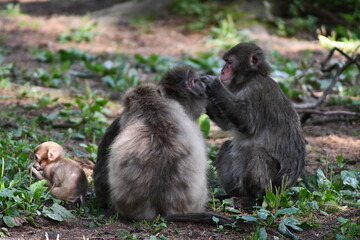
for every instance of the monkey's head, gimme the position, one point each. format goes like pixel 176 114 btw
pixel 241 60
pixel 46 153
pixel 141 96
pixel 182 82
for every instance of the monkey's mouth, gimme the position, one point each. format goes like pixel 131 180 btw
pixel 224 80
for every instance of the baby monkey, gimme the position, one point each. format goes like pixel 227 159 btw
pixel 65 177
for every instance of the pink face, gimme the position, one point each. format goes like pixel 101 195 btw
pixel 227 72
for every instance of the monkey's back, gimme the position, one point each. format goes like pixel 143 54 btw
pixel 275 129
pixel 157 164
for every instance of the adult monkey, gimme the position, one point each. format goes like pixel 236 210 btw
pixel 154 152
pixel 267 144
pixel 152 159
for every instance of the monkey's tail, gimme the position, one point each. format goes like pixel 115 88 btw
pixel 207 218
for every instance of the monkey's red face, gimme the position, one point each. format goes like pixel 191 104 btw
pixel 227 71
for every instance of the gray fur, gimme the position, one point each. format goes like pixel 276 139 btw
pixel 267 143
pixel 156 163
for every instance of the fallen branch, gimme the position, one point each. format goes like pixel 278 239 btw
pixel 346 113
pixel 329 120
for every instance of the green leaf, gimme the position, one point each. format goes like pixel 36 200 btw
pixel 350 178
pixel 31 220
pixel 232 210
pixel 322 180
pixel 343 220
pixel 204 122
pixel 293 223
pixel 263 214
pixel 16 221
pixel 38 188
pixel 61 211
pixel 270 196
pixel 6 192
pixel 50 214
pixel 215 219
pixel 248 218
pixel 262 234
pixel 289 211
pixel 9 221
pixel 286 232
pixel 313 204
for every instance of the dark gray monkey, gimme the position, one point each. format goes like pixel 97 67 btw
pixel 267 143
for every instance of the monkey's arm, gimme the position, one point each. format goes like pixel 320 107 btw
pixel 229 110
pixel 217 115
pixel 37 174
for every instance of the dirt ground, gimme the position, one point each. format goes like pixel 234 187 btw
pixel 167 37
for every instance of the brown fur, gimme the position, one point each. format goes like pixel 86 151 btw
pixel 65 177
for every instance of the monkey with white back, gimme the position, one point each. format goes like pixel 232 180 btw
pixel 152 160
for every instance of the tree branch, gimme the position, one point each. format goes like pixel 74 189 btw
pixel 339 71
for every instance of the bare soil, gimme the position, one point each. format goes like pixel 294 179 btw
pixel 44 21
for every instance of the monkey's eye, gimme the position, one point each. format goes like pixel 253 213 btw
pixel 228 61
pixel 32 156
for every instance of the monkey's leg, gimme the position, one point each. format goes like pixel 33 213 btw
pixel 259 173
pixel 224 153
pixel 63 193
pixel 228 175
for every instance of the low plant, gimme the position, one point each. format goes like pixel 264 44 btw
pixel 204 12
pixel 205 62
pixel 84 33
pixel 265 218
pixel 348 229
pixel 226 34
pixel 6 71
pixel 154 63
pixel 86 114
pixel 152 227
pixel 11 10
pixel 55 77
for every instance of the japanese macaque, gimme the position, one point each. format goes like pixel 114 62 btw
pixel 267 144
pixel 65 177
pixel 152 160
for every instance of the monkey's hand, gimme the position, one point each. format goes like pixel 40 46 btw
pixel 37 174
pixel 211 82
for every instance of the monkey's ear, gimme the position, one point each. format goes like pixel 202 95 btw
pixel 254 60
pixel 53 155
pixel 159 92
